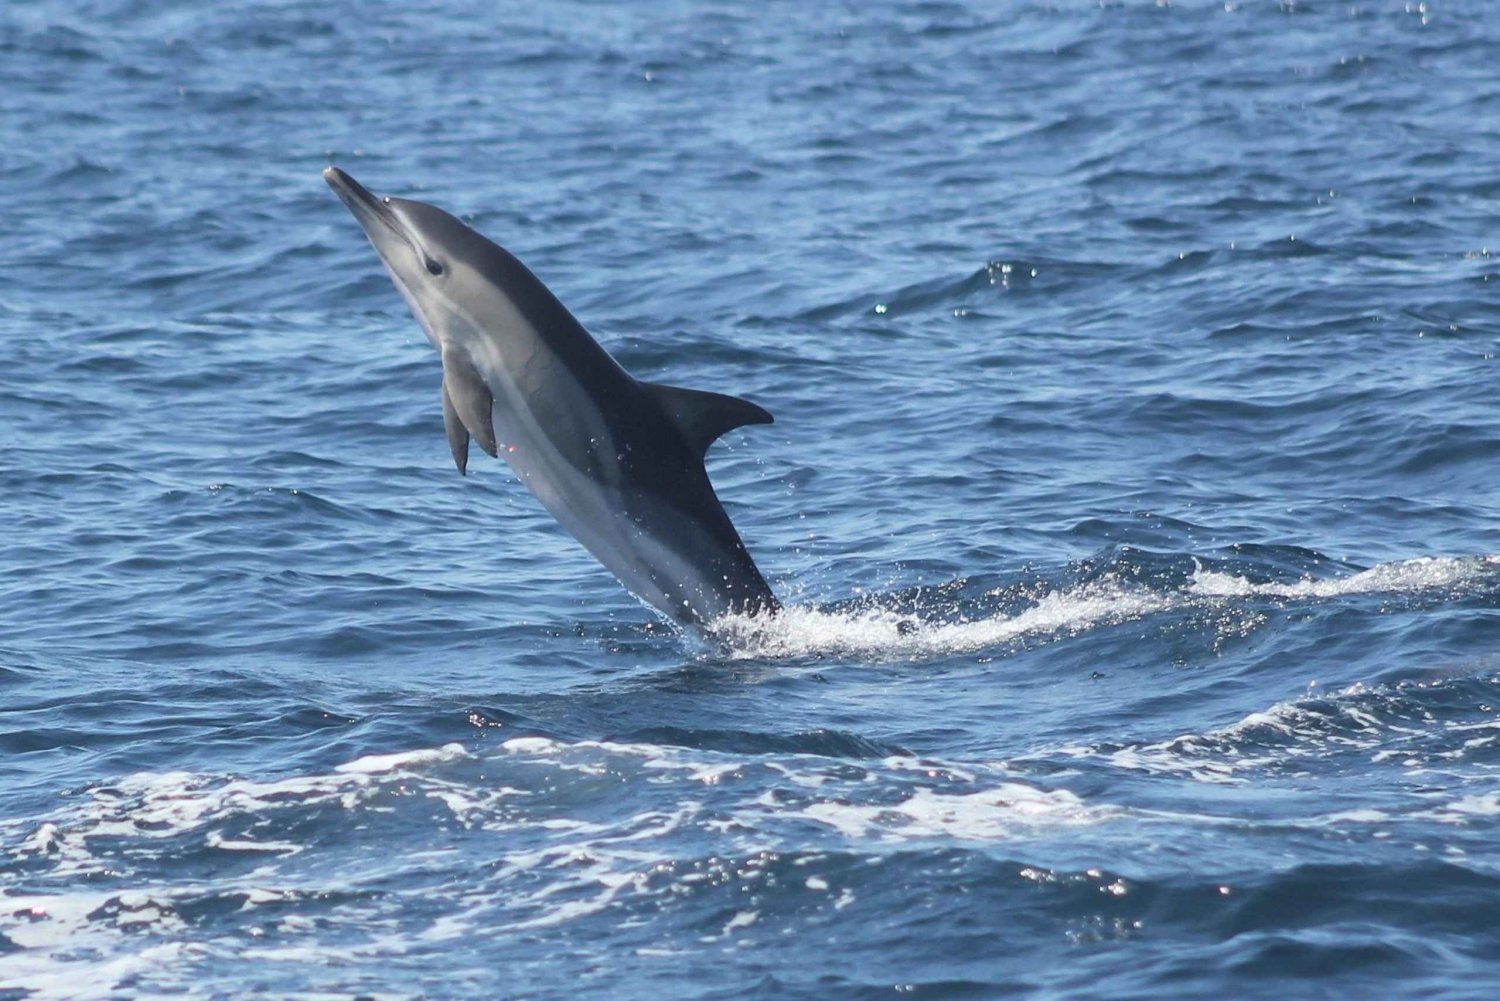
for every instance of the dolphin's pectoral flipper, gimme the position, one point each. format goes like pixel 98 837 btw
pixel 704 416
pixel 458 435
pixel 464 390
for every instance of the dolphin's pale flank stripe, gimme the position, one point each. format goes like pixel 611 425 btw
pixel 617 461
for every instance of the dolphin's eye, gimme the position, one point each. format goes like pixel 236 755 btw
pixel 433 267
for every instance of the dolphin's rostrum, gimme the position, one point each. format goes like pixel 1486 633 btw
pixel 617 461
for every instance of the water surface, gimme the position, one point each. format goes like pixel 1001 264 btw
pixel 1143 356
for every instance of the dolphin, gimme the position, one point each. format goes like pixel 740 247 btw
pixel 617 461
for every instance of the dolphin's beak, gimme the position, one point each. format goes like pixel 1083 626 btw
pixel 366 207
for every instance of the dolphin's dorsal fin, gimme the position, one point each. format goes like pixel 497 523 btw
pixel 704 416
pixel 469 399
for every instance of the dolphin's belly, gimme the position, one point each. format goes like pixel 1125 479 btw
pixel 672 549
pixel 662 554
pixel 663 551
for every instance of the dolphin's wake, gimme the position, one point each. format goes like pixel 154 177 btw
pixel 871 632
pixel 619 463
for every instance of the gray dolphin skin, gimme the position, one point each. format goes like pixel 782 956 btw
pixel 618 462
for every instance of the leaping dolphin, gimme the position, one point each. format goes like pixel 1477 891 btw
pixel 617 461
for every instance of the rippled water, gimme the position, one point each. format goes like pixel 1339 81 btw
pixel 1142 355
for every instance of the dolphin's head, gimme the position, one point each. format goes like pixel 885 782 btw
pixel 428 252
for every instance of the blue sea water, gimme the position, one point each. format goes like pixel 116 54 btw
pixel 1142 354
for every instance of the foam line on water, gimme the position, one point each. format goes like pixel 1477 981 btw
pixel 878 633
pixel 1388 725
pixel 1402 576
pixel 802 630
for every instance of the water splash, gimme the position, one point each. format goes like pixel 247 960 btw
pixel 884 634
pixel 1402 576
pixel 878 633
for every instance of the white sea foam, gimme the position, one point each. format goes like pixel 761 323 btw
pixel 1479 805
pixel 1389 725
pixel 561 852
pixel 1405 576
pixel 1233 753
pixel 558 853
pixel 877 633
pixel 801 631
pixel 976 801
pixel 375 764
pixel 997 813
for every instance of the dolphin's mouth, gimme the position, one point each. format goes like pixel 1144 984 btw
pixel 374 213
pixel 365 206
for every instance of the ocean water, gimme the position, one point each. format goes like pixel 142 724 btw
pixel 1143 355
